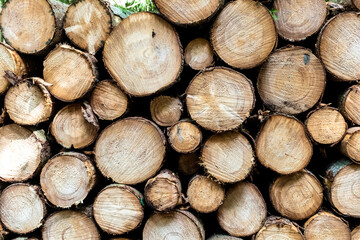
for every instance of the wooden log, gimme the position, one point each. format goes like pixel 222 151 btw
pixel 130 150
pixel 307 83
pixel 108 101
pixel 279 228
pixel 355 233
pixel 297 20
pixel 204 194
pixel 232 34
pixel 190 12
pixel 27 150
pixel 348 104
pixel 118 209
pixel 223 237
pixel 184 136
pixel 325 225
pixel 189 164
pixel 173 225
pixel 220 99
pixel 69 224
pixel 67 178
pixel 163 192
pixel 88 24
pixel 143 54
pixel 21 208
pixel 199 54
pixel 326 125
pixel 244 210
pixel 297 196
pixel 71 73
pixel 356 3
pixel 75 126
pixel 338 45
pixel 166 110
pixel 282 144
pixel 228 156
pixel 350 144
pixel 25 238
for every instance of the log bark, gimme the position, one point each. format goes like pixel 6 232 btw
pixel 24 164
pixel 355 233
pixel 307 83
pixel 21 208
pixel 166 110
pixel 232 34
pixel 199 54
pixel 348 104
pixel 188 164
pixel 71 73
pixel 297 196
pixel 204 194
pixel 244 210
pixel 130 151
pixel 69 224
pixel 220 99
pixel 67 178
pixel 228 157
pixel 118 209
pixel 163 192
pixel 184 136
pixel 282 144
pixel 350 144
pixel 143 54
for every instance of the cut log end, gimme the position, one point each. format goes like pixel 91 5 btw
pixel 199 54
pixel 350 144
pixel 356 3
pixel 166 110
pixel 188 164
pixel 223 237
pixel 278 228
pixel 355 233
pixel 348 104
pixel 184 137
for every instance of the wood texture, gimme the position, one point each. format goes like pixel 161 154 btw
pixel 355 233
pixel 356 4
pixel 199 54
pixel 166 110
pixel 184 136
pixel 223 237
pixel 350 144
pixel 348 104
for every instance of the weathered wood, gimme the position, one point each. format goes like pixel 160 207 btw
pixel 348 104
pixel 184 136
pixel 166 110
pixel 350 144
pixel 199 54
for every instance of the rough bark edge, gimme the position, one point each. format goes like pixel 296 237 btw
pixel 343 147
pixel 342 100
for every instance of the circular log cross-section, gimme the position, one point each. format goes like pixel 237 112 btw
pixel 88 24
pixel 75 126
pixel 296 20
pixel 173 225
pixel 108 101
pixel 291 81
pixel 69 225
pixel 349 104
pixel 163 192
pixel 228 156
pixel 296 196
pixel 326 125
pixel 282 145
pixel 143 54
pixel 21 208
pixel 28 25
pixel 118 209
pixel 67 178
pixel 338 46
pixel 220 99
pixel 355 233
pixel 184 137
pixel 243 211
pixel 234 30
pixel 70 72
pixel 199 54
pixel 356 3
pixel 130 150
pixel 21 152
pixel 188 164
pixel 204 194
pixel 327 226
pixel 350 144
pixel 166 110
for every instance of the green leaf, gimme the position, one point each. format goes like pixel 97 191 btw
pixel 273 14
pixel 132 6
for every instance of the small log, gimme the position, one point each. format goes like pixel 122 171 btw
pixel 350 144
pixel 21 208
pixel 163 192
pixel 348 104
pixel 75 126
pixel 297 196
pixel 184 136
pixel 356 3
pixel 223 237
pixel 143 54
pixel 355 233
pixel 71 73
pixel 282 144
pixel 118 209
pixel 204 194
pixel 69 224
pixel 108 101
pixel 327 226
pixel 326 125
pixel 67 178
pixel 299 94
pixel 228 156
pixel 173 225
pixel 166 110
pixel 130 150
pixel 188 164
pixel 22 152
pixel 199 54
pixel 244 210
pixel 232 34
pixel 220 99
pixel 297 20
